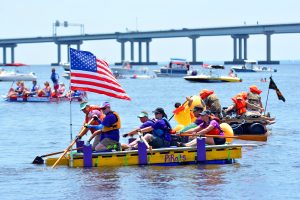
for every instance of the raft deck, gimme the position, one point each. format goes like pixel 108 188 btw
pixel 210 154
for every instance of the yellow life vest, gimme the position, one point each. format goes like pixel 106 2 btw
pixel 114 126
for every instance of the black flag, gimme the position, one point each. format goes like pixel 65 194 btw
pixel 273 86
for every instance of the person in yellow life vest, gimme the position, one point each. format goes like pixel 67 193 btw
pixel 212 102
pixel 182 113
pixel 253 97
pixel 108 130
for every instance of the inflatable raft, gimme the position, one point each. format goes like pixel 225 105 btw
pixel 212 154
pixel 42 99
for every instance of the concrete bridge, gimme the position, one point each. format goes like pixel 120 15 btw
pixel 239 35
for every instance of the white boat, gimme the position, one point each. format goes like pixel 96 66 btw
pixel 15 76
pixel 252 66
pixel 212 76
pixel 66 75
pixel 177 68
pixel 142 76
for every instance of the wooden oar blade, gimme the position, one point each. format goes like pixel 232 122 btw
pixel 259 138
pixel 38 160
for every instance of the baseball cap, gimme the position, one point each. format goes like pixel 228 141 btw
pixel 197 108
pixel 105 104
pixel 143 114
pixel 83 105
pixel 206 112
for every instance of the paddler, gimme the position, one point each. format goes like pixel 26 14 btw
pixel 108 130
pixel 209 126
pixel 90 111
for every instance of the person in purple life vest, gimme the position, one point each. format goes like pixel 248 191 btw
pixel 108 130
pixel 160 136
pixel 55 77
pixel 146 122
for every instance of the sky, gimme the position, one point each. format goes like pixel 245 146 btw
pixel 33 18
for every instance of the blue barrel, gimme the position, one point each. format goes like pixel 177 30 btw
pixel 237 128
pixel 256 129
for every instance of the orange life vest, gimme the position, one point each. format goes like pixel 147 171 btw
pixel 240 105
pixel 215 131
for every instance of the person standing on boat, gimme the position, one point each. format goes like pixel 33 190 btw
pixel 160 136
pixel 108 130
pixel 212 102
pixel 89 111
pixel 55 77
pixel 209 126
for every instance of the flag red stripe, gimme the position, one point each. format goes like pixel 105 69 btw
pixel 126 97
pixel 89 76
pixel 101 85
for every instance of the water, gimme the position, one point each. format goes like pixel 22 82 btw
pixel 271 170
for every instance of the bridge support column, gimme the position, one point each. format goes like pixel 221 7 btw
pixel 12 54
pixel 140 51
pixel 147 52
pixel 140 42
pixel 234 48
pixel 241 50
pixel 58 53
pixel 194 49
pixel 132 51
pixel 68 43
pixel 4 55
pixel 245 48
pixel 268 56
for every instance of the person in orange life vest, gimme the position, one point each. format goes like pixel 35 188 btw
pixel 241 105
pixel 212 102
pixel 46 91
pixel 209 126
pixel 89 111
pixel 108 130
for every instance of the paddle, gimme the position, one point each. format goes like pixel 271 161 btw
pixel 240 137
pixel 144 140
pixel 39 159
pixel 82 132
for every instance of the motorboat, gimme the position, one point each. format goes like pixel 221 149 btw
pixel 142 76
pixel 177 67
pixel 16 76
pixel 211 77
pixel 252 66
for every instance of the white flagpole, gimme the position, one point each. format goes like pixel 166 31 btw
pixel 71 135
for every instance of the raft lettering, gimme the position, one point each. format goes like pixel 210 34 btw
pixel 174 158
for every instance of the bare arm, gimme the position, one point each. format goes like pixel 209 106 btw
pixel 94 135
pixel 205 130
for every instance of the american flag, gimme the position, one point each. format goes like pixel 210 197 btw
pixel 89 73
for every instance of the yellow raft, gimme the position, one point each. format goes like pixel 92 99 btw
pixel 211 154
